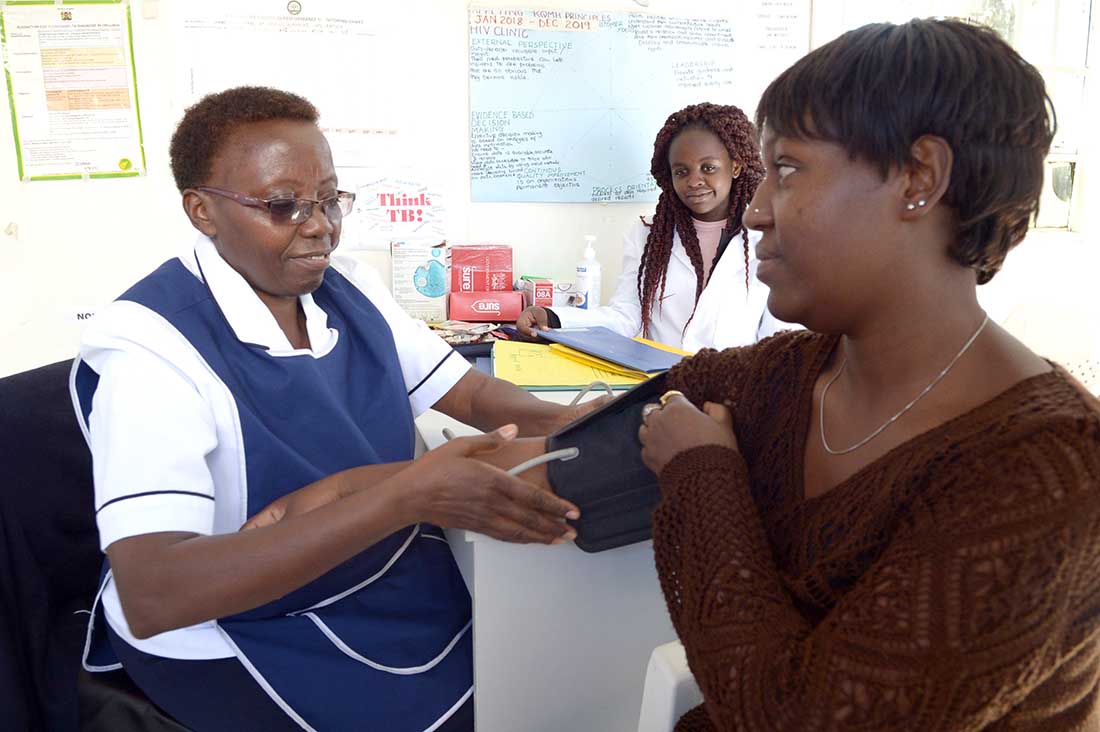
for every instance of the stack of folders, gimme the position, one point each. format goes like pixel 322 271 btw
pixel 642 357
pixel 578 356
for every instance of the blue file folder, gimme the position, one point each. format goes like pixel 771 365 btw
pixel 610 346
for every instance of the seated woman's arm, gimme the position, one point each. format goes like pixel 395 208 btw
pixel 933 637
pixel 715 376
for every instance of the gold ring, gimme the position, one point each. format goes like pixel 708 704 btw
pixel 649 409
pixel 669 394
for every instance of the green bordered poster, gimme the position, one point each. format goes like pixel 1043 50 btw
pixel 72 88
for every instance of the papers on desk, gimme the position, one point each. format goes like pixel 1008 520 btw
pixel 557 367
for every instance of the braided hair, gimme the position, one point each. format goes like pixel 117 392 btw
pixel 737 133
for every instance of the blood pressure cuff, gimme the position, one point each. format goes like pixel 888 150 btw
pixel 615 492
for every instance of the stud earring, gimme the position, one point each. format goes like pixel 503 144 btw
pixel 914 206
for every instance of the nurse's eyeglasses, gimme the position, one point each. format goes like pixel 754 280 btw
pixel 291 210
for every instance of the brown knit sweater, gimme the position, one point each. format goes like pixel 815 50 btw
pixel 953 584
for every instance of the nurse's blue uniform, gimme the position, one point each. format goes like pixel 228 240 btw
pixel 382 642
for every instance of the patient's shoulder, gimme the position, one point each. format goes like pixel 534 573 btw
pixel 782 359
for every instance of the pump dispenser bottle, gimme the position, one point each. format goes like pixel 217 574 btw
pixel 588 276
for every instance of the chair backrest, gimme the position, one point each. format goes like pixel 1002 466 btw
pixel 670 689
pixel 49 549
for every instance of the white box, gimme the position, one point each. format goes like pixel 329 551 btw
pixel 420 279
pixel 566 295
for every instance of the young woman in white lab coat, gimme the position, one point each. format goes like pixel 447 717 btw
pixel 683 280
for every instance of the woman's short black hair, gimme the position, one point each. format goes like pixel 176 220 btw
pixel 208 123
pixel 875 90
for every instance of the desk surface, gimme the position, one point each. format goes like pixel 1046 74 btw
pixel 561 638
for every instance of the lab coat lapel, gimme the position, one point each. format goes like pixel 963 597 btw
pixel 679 255
pixel 727 315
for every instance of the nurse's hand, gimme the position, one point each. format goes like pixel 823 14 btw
pixel 678 426
pixel 532 320
pixel 453 486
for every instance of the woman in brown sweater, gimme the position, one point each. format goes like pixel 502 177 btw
pixel 891 522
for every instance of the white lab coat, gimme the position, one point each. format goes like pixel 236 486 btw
pixel 726 315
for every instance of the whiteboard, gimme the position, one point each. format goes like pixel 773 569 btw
pixel 565 104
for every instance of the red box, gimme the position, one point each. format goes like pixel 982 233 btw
pixel 538 292
pixel 496 307
pixel 481 267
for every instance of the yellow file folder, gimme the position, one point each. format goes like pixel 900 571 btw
pixel 597 363
pixel 560 368
pixel 536 367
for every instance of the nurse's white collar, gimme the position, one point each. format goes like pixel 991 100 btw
pixel 250 319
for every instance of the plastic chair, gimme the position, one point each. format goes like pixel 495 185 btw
pixel 670 689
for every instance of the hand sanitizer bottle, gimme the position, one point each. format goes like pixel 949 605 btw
pixel 588 276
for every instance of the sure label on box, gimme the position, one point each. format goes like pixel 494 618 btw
pixel 481 267
pixel 486 306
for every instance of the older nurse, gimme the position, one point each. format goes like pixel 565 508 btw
pixel 257 365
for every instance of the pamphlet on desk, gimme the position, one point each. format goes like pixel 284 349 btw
pixel 608 345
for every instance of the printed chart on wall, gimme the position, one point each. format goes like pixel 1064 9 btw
pixel 70 78
pixel 564 105
pixel 339 55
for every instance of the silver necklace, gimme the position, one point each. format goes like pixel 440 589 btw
pixel 906 408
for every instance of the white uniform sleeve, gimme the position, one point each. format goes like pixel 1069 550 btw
pixel 430 366
pixel 150 432
pixel 623 314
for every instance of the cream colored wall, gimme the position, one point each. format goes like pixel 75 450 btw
pixel 68 247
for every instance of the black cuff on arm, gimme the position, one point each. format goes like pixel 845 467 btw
pixel 552 318
pixel 608 481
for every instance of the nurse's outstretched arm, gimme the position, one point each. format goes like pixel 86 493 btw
pixel 506 456
pixel 487 403
pixel 171 580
